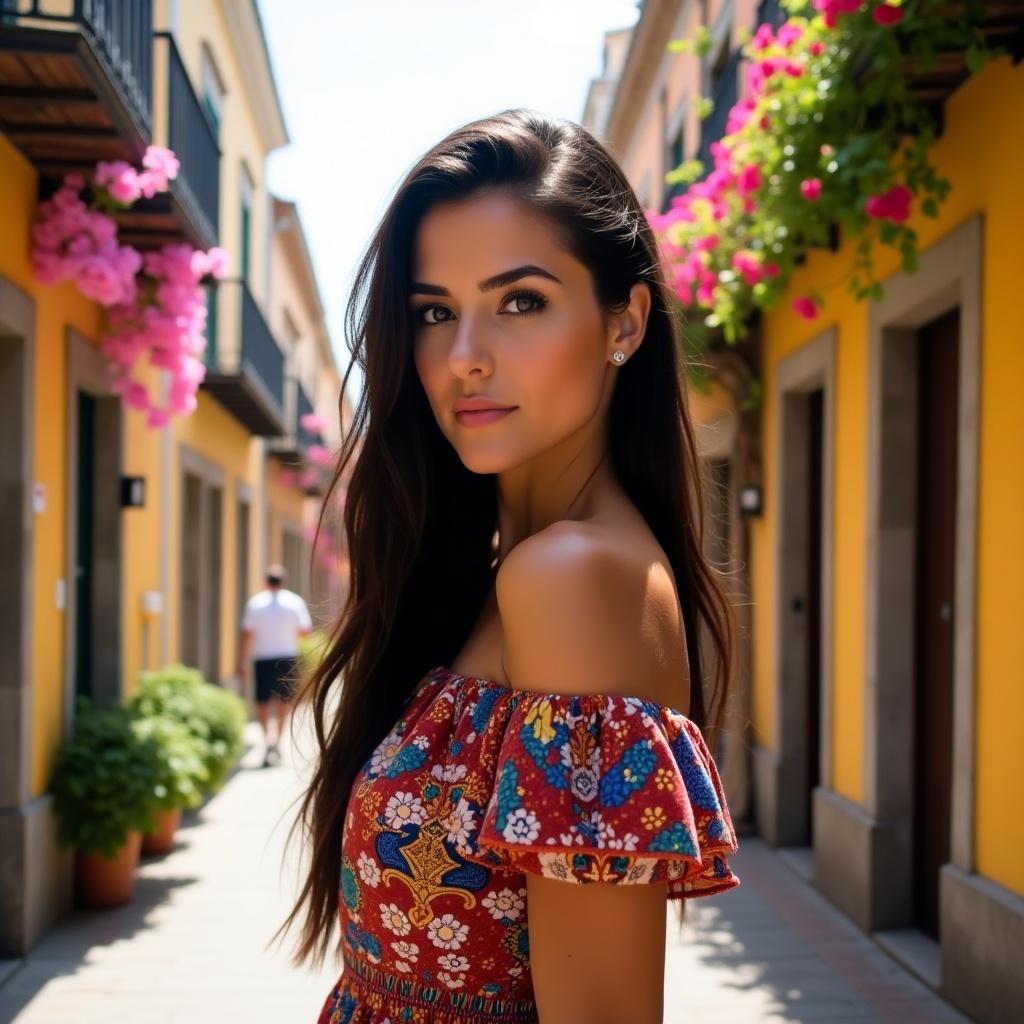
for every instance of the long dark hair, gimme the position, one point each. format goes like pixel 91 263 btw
pixel 421 527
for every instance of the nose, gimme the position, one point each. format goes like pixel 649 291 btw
pixel 469 350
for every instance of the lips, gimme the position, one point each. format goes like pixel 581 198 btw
pixel 481 417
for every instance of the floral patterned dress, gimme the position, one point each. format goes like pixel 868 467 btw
pixel 479 783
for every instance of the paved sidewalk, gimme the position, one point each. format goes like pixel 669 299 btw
pixel 191 947
pixel 774 949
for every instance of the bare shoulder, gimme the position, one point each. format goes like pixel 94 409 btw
pixel 587 609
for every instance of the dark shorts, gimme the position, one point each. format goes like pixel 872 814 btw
pixel 274 677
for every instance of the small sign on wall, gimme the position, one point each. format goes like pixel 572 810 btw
pixel 38 497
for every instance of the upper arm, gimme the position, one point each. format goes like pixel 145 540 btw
pixel 575 620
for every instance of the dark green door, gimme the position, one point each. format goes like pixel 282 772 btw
pixel 84 544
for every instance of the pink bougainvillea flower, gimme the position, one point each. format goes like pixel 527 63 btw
pixel 749 179
pixel 788 34
pixel 120 179
pixel 893 205
pixel 749 265
pixel 771 270
pixel 886 15
pixel 817 48
pixel 810 189
pixel 763 37
pixel 313 422
pixel 806 307
pixel 318 454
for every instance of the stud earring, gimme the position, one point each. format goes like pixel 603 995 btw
pixel 619 356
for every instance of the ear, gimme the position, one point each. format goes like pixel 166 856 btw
pixel 626 328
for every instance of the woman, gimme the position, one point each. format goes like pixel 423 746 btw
pixel 517 719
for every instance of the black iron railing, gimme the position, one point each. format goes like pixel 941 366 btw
pixel 191 136
pixel 724 95
pixel 260 353
pixel 120 33
pixel 771 12
pixel 303 407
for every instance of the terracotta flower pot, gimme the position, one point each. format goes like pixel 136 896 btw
pixel 108 881
pixel 161 839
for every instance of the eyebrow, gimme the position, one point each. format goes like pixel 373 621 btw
pixel 498 281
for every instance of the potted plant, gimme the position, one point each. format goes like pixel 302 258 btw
pixel 103 788
pixel 182 776
pixel 214 717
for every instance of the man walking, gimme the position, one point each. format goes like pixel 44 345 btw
pixel 272 623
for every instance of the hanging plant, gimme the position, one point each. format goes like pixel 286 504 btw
pixel 152 303
pixel 827 136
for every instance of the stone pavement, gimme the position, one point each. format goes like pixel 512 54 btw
pixel 191 946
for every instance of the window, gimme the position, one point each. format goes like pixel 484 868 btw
pixel 245 225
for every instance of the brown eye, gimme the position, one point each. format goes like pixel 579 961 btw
pixel 427 309
pixel 525 303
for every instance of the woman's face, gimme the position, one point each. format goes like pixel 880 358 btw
pixel 503 313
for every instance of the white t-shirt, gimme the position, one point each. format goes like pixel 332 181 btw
pixel 275 618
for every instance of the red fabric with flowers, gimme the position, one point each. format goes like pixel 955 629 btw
pixel 479 783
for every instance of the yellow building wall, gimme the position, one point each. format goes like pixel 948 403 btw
pixel 216 435
pixel 985 164
pixel 58 308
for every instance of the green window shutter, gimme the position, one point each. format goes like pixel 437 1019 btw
pixel 245 246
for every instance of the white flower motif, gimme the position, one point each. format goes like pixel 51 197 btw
pixel 386 752
pixel 404 809
pixel 369 871
pixel 421 741
pixel 448 773
pixel 460 823
pixel 447 932
pixel 522 826
pixel 516 971
pixel 409 950
pixel 627 842
pixel 449 980
pixel 583 783
pixel 505 904
pixel 401 965
pixel 471 736
pixel 453 962
pixel 394 919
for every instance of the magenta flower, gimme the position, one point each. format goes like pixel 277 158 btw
pixel 806 307
pixel 763 37
pixel 886 15
pixel 789 33
pixel 749 179
pixel 749 266
pixel 893 205
pixel 810 189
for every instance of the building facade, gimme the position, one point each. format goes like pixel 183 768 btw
pixel 884 565
pixel 129 547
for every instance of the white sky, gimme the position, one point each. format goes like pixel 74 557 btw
pixel 368 87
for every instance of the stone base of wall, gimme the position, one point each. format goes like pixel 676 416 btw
pixel 862 864
pixel 36 875
pixel 982 929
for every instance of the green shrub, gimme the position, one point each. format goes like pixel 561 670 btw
pixel 214 717
pixel 183 771
pixel 106 779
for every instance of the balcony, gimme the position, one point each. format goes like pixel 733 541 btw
pixel 244 363
pixel 190 210
pixel 292 447
pixel 724 93
pixel 76 80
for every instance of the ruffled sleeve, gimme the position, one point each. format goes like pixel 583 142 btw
pixel 593 787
